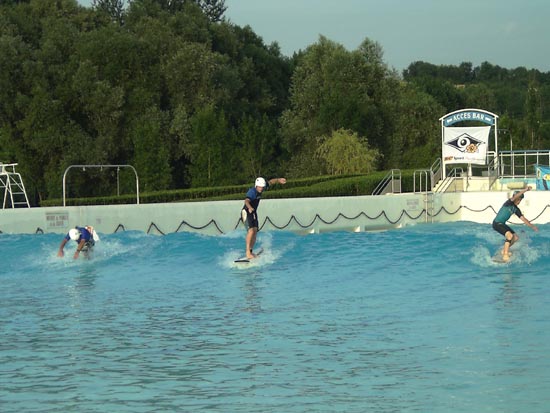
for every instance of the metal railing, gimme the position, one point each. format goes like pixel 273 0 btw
pixel 508 165
pixel 390 184
pixel 427 178
pixel 450 179
pixel 521 164
pixel 436 171
pixel 101 167
pixel 422 175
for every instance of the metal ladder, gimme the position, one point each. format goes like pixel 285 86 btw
pixel 12 185
pixel 429 206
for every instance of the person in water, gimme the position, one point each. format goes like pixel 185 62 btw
pixel 248 213
pixel 503 215
pixel 85 237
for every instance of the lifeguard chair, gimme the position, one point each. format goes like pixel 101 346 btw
pixel 12 185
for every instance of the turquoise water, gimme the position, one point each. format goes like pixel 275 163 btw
pixel 411 320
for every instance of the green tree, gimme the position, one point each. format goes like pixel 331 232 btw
pixel 445 92
pixel 208 148
pixel 254 79
pixel 533 112
pixel 258 150
pixel 480 95
pixel 188 76
pixel 214 9
pixel 115 9
pixel 334 89
pixel 102 105
pixel 151 152
pixel 344 152
pixel 416 141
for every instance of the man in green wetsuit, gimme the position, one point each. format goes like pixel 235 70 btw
pixel 505 212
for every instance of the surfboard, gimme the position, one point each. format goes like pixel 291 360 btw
pixel 245 260
pixel 498 258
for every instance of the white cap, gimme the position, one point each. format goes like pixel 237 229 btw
pixel 260 182
pixel 74 234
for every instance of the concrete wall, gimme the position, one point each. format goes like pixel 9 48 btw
pixel 304 215
pixel 482 206
pixel 297 215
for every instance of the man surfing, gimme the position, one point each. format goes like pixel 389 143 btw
pixel 85 237
pixel 505 212
pixel 248 213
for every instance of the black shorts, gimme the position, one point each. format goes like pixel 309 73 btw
pixel 88 245
pixel 250 220
pixel 502 228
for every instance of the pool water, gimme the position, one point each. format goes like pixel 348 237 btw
pixel 416 319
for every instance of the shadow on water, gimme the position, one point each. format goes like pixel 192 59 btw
pixel 86 277
pixel 80 283
pixel 250 285
pixel 510 293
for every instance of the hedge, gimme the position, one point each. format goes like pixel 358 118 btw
pixel 322 186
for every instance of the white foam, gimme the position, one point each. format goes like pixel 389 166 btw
pixel 106 249
pixel 269 255
pixel 482 257
pixel 523 253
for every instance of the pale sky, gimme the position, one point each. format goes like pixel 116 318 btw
pixel 508 33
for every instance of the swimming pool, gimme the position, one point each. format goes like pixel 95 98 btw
pixel 416 319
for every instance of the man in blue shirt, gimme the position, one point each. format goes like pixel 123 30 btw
pixel 505 212
pixel 248 213
pixel 85 237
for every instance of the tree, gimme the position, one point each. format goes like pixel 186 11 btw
pixel 102 104
pixel 113 8
pixel 151 153
pixel 188 75
pixel 214 9
pixel 258 150
pixel 14 55
pixel 344 152
pixel 334 89
pixel 254 78
pixel 416 140
pixel 445 92
pixel 480 95
pixel 208 148
pixel 533 111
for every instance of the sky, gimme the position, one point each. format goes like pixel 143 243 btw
pixel 507 33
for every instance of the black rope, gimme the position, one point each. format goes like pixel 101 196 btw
pixel 542 212
pixel 443 209
pixel 211 222
pixel 318 217
pixel 338 216
pixel 479 210
pixel 239 221
pixel 153 225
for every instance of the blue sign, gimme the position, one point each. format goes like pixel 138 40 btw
pixel 543 177
pixel 469 115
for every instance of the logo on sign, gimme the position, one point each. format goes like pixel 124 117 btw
pixel 465 143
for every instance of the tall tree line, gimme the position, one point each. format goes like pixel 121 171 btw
pixel 190 99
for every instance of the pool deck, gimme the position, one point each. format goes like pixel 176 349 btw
pixel 300 215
